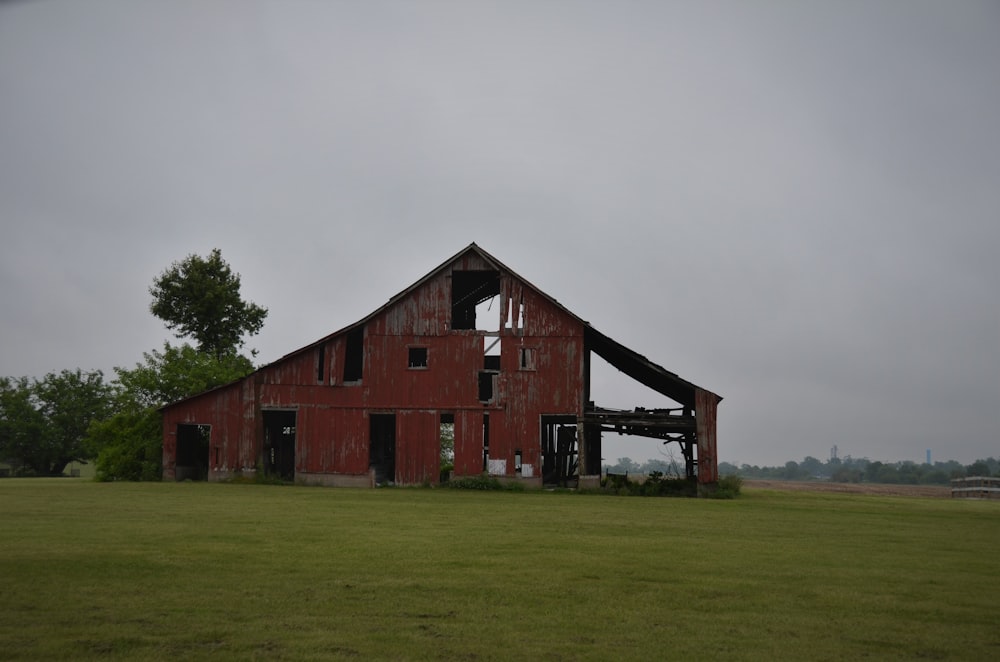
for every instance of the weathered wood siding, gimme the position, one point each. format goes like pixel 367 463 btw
pixel 541 373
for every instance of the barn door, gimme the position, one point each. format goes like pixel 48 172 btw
pixel 279 444
pixel 382 448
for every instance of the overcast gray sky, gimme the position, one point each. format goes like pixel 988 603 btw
pixel 793 204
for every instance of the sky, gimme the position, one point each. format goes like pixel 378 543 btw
pixel 795 205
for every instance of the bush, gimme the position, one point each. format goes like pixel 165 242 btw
pixel 728 487
pixel 656 484
pixel 483 482
pixel 130 446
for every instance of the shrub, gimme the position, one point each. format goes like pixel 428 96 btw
pixel 728 488
pixel 656 484
pixel 483 482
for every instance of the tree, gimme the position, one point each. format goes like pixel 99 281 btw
pixel 43 423
pixel 200 298
pixel 178 372
pixel 978 468
pixel 22 425
pixel 130 442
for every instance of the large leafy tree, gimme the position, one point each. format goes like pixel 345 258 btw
pixel 200 298
pixel 43 423
pixel 178 372
pixel 130 441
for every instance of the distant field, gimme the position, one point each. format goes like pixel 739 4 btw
pixel 218 571
pixel 880 489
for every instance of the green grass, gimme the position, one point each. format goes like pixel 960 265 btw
pixel 226 571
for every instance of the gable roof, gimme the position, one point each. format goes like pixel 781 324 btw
pixel 633 364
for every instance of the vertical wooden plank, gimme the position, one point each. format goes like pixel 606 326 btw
pixel 705 407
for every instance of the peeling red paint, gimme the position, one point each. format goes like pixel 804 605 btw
pixel 333 440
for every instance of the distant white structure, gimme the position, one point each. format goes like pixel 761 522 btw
pixel 976 487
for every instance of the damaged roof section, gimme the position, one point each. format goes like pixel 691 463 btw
pixel 471 345
pixel 641 369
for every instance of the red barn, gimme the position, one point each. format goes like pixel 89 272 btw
pixel 471 349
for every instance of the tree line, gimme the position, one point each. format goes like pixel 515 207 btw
pixel 863 470
pixel 839 470
pixel 78 416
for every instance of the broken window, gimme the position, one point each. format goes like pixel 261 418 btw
pixel 491 352
pixel 491 369
pixel 486 378
pixel 468 290
pixel 354 358
pixel 527 358
pixel 417 357
pixel 515 316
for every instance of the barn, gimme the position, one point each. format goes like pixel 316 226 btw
pixel 473 350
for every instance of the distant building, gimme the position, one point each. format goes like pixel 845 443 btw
pixel 367 404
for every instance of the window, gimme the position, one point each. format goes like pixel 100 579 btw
pixel 468 290
pixel 417 357
pixel 486 382
pixel 527 358
pixel 354 358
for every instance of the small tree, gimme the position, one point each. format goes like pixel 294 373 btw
pixel 200 298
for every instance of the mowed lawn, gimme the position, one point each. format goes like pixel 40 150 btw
pixel 227 571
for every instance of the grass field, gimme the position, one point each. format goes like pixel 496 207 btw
pixel 226 571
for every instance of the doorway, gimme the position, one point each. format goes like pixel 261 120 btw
pixel 192 452
pixel 382 448
pixel 279 444
pixel 560 455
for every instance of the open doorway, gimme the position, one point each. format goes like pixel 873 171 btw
pixel 446 448
pixel 279 444
pixel 382 448
pixel 192 452
pixel 560 455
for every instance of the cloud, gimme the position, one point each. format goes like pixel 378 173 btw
pixel 792 205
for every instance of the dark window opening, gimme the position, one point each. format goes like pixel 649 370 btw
pixel 527 358
pixel 417 357
pixel 354 358
pixel 382 448
pixel 486 378
pixel 279 444
pixel 491 368
pixel 192 452
pixel 469 289
pixel 321 363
